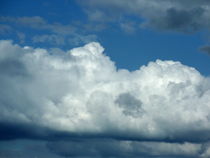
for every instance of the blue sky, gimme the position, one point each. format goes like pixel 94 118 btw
pixel 128 44
pixel 104 79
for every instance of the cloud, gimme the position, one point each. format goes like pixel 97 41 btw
pixel 5 29
pixel 25 149
pixel 54 39
pixel 99 148
pixel 129 104
pixel 180 20
pixel 128 27
pixel 34 22
pixel 80 98
pixel 21 37
pixel 81 91
pixel 77 39
pixel 42 31
pixel 205 49
pixel 114 148
pixel 179 15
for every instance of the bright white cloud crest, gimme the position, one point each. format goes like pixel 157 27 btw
pixel 82 91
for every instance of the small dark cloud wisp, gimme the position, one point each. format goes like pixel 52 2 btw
pixel 205 49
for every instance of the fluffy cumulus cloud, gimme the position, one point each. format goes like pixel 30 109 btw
pixel 179 15
pixel 161 109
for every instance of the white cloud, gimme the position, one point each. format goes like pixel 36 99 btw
pixel 82 91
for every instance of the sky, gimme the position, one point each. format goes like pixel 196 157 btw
pixel 105 79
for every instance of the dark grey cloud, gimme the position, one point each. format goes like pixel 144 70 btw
pixel 101 148
pixel 12 68
pixel 205 49
pixel 18 140
pixel 180 20
pixel 11 130
pixel 131 106
pixel 25 148
pixel 182 16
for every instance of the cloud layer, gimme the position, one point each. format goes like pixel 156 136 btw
pixel 43 32
pixel 179 15
pixel 81 94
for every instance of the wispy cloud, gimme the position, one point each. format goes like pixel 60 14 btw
pixel 44 32
pixel 205 49
pixel 182 16
pixel 4 29
pixel 51 38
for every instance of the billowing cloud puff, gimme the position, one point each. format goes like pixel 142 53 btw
pixel 91 108
pixel 81 91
